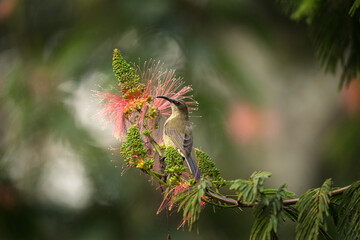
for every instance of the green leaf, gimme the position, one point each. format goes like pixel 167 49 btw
pixel 313 207
pixel 349 219
pixel 249 190
pixel 271 192
pixel 354 7
pixel 334 28
pixel 191 202
pixel 268 215
pixel 306 9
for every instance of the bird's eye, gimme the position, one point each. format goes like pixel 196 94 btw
pixel 177 103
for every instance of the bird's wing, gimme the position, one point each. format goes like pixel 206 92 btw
pixel 182 141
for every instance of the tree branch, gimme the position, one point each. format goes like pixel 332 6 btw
pixel 286 202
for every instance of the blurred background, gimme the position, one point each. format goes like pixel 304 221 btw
pixel 265 104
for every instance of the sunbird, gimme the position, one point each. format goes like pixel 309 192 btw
pixel 178 133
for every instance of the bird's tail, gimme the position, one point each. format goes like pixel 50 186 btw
pixel 195 171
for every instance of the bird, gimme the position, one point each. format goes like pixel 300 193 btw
pixel 178 133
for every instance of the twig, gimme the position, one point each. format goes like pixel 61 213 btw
pixel 218 205
pixel 152 173
pixel 154 144
pixel 332 193
pixel 159 174
pixel 339 191
pixel 229 200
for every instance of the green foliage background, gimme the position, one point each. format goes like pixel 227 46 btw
pixel 53 53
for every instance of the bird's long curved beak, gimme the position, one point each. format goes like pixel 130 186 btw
pixel 166 98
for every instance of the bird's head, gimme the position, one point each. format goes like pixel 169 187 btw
pixel 178 106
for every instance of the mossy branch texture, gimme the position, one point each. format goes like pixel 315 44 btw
pixel 142 148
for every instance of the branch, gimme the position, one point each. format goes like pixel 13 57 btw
pixel 231 201
pixel 286 202
pixel 332 193
pixel 339 191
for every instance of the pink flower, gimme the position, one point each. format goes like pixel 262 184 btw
pixel 112 110
pixel 119 110
pixel 165 83
pixel 141 107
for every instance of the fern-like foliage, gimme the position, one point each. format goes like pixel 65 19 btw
pixel 250 190
pixel 293 214
pixel 307 9
pixel 190 201
pixel 334 27
pixel 313 207
pixel 268 214
pixel 349 219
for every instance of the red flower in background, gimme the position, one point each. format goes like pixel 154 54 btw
pixel 351 97
pixel 247 123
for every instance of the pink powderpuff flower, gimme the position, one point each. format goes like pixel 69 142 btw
pixel 165 83
pixel 113 106
pixel 120 110
pixel 143 107
pixel 162 82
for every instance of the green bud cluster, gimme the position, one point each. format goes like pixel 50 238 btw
pixel 174 165
pixel 147 164
pixel 192 182
pixel 133 149
pixel 146 132
pixel 174 180
pixel 152 113
pixel 126 76
pixel 124 73
pixel 207 166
